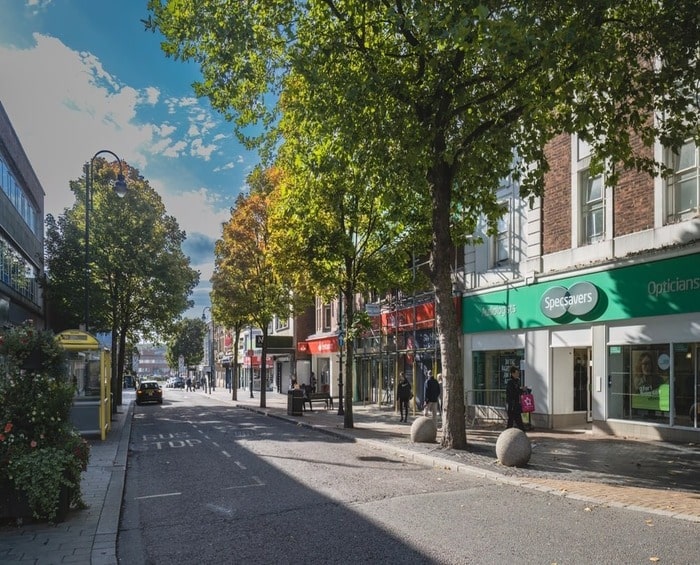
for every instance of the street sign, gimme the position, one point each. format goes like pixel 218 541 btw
pixel 372 309
pixel 258 341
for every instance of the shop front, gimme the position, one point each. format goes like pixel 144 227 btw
pixel 402 340
pixel 251 371
pixel 324 366
pixel 617 348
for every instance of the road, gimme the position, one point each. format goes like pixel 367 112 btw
pixel 211 484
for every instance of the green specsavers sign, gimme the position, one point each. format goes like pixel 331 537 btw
pixel 658 288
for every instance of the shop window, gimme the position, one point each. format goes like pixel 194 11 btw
pixel 686 384
pixel 639 383
pixel 491 370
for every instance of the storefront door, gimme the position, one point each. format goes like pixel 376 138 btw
pixel 582 382
pixel 686 390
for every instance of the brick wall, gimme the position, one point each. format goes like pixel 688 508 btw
pixel 633 200
pixel 556 203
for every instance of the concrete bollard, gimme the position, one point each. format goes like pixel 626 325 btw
pixel 513 448
pixel 423 430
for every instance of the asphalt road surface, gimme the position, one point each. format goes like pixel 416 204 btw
pixel 209 484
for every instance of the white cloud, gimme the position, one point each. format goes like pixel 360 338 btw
pixel 165 130
pixel 200 149
pixel 152 95
pixel 197 211
pixel 174 150
pixel 226 167
pixel 63 116
pixel 65 106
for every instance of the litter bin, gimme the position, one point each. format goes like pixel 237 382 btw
pixel 295 402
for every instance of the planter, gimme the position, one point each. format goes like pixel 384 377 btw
pixel 14 504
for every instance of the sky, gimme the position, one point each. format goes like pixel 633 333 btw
pixel 81 76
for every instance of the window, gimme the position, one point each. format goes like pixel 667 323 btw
pixel 592 208
pixel 327 317
pixel 16 272
pixel 491 370
pixel 683 184
pixel 17 197
pixel 501 241
pixel 639 382
pixel 281 324
pixel 323 316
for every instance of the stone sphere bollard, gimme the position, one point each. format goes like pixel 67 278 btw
pixel 513 448
pixel 423 430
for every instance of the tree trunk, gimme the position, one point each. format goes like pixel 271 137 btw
pixel 114 369
pixel 446 319
pixel 263 368
pixel 234 363
pixel 121 362
pixel 347 297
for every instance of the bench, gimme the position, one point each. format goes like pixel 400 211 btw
pixel 316 397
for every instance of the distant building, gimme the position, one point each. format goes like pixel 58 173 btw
pixel 21 232
pixel 150 361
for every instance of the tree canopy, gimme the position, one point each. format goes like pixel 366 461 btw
pixel 245 287
pixel 186 341
pixel 447 94
pixel 139 278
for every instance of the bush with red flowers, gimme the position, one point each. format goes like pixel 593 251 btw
pixel 41 453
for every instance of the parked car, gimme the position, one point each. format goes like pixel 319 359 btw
pixel 149 391
pixel 175 382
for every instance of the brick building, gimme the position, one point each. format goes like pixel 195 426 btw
pixel 594 292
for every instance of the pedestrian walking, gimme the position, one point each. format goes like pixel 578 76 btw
pixel 431 394
pixel 513 392
pixel 405 394
pixel 189 384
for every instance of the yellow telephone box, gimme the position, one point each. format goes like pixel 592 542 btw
pixel 90 368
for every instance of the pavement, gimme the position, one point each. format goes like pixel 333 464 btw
pixel 648 476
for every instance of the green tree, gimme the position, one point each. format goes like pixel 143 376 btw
pixel 244 282
pixel 331 234
pixel 187 342
pixel 454 89
pixel 139 278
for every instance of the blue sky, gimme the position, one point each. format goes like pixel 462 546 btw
pixel 79 76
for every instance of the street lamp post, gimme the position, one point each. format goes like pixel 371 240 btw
pixel 250 360
pixel 210 347
pixel 119 188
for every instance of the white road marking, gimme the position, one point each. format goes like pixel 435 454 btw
pixel 258 483
pixel 220 509
pixel 159 495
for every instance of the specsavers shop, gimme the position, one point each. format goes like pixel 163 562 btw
pixel 613 348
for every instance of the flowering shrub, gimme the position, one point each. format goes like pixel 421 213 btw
pixel 40 450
